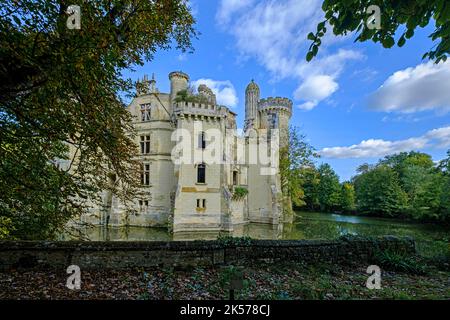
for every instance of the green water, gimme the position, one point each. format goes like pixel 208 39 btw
pixel 431 239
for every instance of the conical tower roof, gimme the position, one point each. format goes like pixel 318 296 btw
pixel 252 86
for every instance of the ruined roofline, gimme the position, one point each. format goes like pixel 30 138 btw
pixel 180 74
pixel 275 102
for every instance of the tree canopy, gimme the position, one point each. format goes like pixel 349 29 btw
pixel 296 156
pixel 62 90
pixel 399 18
pixel 403 185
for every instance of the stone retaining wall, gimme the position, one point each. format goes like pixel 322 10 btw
pixel 125 255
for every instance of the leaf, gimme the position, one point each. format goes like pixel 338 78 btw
pixel 401 41
pixel 320 26
pixel 309 56
pixel 388 42
pixel 17 20
pixel 311 36
pixel 409 33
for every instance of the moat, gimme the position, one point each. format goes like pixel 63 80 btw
pixel 431 238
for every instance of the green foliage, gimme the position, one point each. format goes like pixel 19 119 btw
pixel 294 158
pixel 227 274
pixel 311 182
pixel 329 189
pixel 420 180
pixel 234 241
pixel 323 192
pixel 397 17
pixel 239 193
pixel 61 99
pixel 444 168
pixel 404 185
pixel 347 198
pixel 6 227
pixel 189 96
pixel 399 261
pixel 378 192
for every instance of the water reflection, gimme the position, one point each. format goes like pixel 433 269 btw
pixel 98 233
pixel 308 225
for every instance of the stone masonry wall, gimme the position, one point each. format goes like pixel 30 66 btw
pixel 125 255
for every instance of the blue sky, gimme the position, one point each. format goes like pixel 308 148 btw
pixel 356 102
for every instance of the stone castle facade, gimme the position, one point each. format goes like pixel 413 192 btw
pixel 207 182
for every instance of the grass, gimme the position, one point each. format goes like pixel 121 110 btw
pixel 400 261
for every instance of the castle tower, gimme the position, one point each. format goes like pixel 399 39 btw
pixel 251 106
pixel 178 82
pixel 275 113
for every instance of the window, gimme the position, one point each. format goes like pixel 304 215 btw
pixel 145 175
pixel 235 178
pixel 201 176
pixel 201 203
pixel 143 205
pixel 202 140
pixel 145 112
pixel 145 144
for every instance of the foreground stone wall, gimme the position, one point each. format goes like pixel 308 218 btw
pixel 125 255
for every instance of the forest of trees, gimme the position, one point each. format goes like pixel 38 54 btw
pixel 406 185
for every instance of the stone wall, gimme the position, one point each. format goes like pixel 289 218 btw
pixel 125 255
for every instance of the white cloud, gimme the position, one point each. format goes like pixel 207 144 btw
pixel 373 148
pixel 309 105
pixel 316 88
pixel 378 148
pixel 274 33
pixel 442 135
pixel 229 7
pixel 415 89
pixel 224 91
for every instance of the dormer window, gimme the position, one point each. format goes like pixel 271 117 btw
pixel 145 112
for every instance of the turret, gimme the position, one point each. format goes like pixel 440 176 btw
pixel 275 113
pixel 251 106
pixel 178 82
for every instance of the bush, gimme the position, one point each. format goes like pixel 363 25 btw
pixel 234 241
pixel 399 261
pixel 6 226
pixel 239 193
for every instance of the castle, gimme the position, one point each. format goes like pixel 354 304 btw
pixel 198 174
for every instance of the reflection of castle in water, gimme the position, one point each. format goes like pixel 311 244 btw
pixel 253 230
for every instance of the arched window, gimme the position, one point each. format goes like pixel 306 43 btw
pixel 201 173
